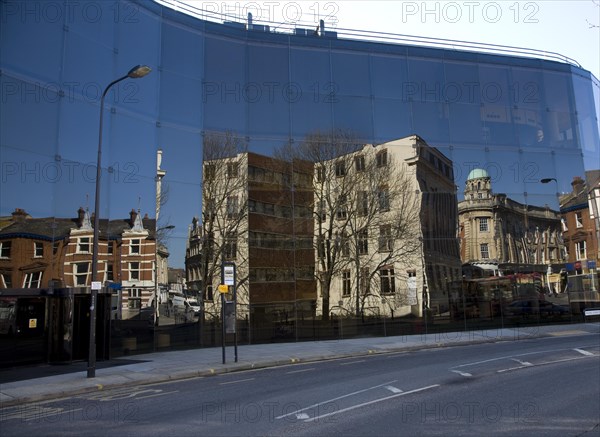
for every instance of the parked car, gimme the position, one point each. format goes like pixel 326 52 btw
pixel 535 308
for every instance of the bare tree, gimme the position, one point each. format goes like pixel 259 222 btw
pixel 331 155
pixel 224 209
pixel 383 227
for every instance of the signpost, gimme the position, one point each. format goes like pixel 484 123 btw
pixel 228 308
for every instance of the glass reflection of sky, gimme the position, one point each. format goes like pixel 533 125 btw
pixel 521 120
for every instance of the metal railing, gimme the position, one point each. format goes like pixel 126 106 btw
pixel 292 27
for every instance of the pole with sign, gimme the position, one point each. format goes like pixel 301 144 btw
pixel 228 308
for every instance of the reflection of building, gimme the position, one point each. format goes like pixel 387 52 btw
pixel 501 235
pixel 255 218
pixel 402 276
pixel 193 257
pixel 42 252
pixel 279 247
pixel 579 227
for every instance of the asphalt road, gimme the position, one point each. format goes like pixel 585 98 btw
pixel 541 387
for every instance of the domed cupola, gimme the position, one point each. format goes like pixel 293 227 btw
pixel 478 185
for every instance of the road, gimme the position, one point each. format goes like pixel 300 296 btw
pixel 546 386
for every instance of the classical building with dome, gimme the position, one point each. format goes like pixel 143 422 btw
pixel 502 236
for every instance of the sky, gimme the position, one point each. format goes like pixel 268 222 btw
pixel 570 28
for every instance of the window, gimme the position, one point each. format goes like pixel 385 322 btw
pixel 364 281
pixel 208 292
pixel 345 244
pixel 342 211
pixel 321 247
pixel 346 283
pixel 32 280
pixel 563 222
pixel 110 276
pixel 209 209
pixel 384 198
pixel 340 168
pixel 483 224
pixel 485 254
pixel 388 282
pixel 580 251
pixel 322 211
pixel 363 242
pixel 55 247
pixel 5 249
pixel 232 170
pixel 209 172
pixel 359 163
pixel 110 248
pixel 362 201
pixel 411 273
pixel 135 298
pixel 321 174
pixel 83 245
pixel 230 249
pixel 134 271
pixel 578 219
pixel 134 247
pixel 386 243
pixel 81 274
pixel 5 280
pixel 381 158
pixel 38 249
pixel 232 207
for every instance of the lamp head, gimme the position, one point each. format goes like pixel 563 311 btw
pixel 139 71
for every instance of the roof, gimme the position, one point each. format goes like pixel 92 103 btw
pixel 52 229
pixel 477 173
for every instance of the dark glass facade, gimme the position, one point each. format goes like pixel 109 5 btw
pixel 521 119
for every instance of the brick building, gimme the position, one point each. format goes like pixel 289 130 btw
pixel 57 252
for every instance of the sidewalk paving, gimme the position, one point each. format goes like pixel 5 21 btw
pixel 173 365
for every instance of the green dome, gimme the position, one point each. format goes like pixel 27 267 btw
pixel 477 173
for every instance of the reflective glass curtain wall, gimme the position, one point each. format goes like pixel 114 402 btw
pixel 519 119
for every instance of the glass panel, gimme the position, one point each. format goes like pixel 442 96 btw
pixel 223 87
pixel 350 73
pixel 389 77
pixel 588 120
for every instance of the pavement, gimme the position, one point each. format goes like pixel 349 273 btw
pixel 25 385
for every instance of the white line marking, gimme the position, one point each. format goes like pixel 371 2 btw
pixel 300 371
pixel 462 373
pixel 393 389
pixel 352 362
pixel 336 399
pixel 364 404
pixel 523 363
pixel 584 352
pixel 235 382
pixel 157 394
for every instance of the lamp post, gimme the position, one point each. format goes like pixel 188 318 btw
pixel 158 269
pixel 135 73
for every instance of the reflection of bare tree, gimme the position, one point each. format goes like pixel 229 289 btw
pixel 224 210
pixel 385 215
pixel 326 151
pixel 366 216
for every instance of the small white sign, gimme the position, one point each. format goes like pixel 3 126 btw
pixel 229 275
pixel 96 285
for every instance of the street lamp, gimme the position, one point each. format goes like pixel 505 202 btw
pixel 135 73
pixel 158 269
